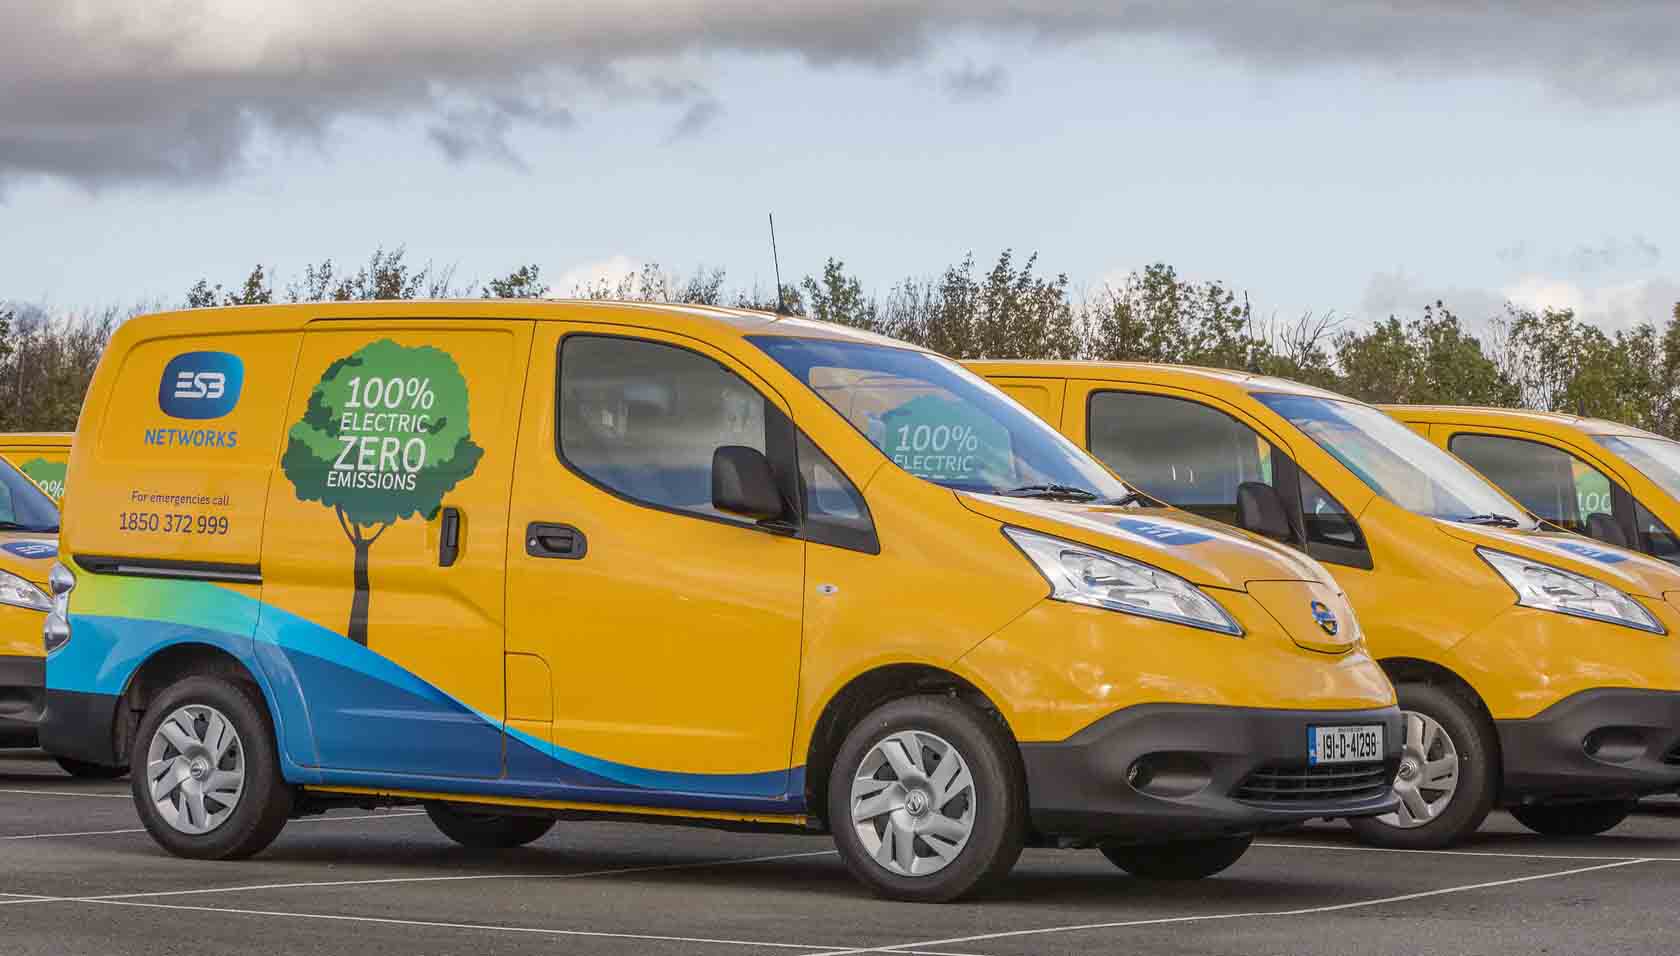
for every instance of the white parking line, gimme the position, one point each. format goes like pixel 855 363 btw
pixel 69 793
pixel 1217 917
pixel 1496 854
pixel 526 930
pixel 82 833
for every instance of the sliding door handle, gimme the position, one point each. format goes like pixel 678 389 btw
pixel 449 537
pixel 544 540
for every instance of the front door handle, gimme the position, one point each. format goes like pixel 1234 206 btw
pixel 449 537
pixel 544 540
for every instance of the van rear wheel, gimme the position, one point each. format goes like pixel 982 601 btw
pixel 1183 860
pixel 927 801
pixel 205 772
pixel 1573 819
pixel 487 831
pixel 1449 772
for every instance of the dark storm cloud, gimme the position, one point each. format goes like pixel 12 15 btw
pixel 110 91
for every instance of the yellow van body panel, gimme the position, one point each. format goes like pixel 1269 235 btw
pixel 357 501
pixel 43 456
pixel 1430 597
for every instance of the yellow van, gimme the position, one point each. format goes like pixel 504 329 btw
pixel 43 456
pixel 1539 670
pixel 28 547
pixel 1612 482
pixel 524 560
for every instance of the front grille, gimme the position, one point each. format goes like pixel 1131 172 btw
pixel 1673 756
pixel 1293 785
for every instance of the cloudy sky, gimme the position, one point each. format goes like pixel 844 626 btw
pixel 1357 156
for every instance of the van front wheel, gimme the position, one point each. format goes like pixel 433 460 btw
pixel 205 772
pixel 1573 819
pixel 927 801
pixel 487 831
pixel 1183 860
pixel 1448 776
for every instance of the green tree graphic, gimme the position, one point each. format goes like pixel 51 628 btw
pixel 384 438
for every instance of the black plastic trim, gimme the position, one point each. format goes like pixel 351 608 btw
pixel 23 680
pixel 1544 756
pixel 168 568
pixel 80 726
pixel 1078 788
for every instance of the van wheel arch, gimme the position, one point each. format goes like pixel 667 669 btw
pixel 162 669
pixel 863 694
pixel 1412 670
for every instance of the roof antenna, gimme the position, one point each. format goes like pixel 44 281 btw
pixel 781 299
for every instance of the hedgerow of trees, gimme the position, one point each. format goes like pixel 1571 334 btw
pixel 1544 359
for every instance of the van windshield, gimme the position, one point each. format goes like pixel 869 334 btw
pixel 1656 458
pixel 23 505
pixel 942 423
pixel 1396 462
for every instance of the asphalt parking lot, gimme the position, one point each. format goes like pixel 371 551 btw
pixel 80 876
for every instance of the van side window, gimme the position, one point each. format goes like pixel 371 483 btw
pixel 1182 452
pixel 835 513
pixel 1548 481
pixel 1327 522
pixel 1654 537
pixel 642 419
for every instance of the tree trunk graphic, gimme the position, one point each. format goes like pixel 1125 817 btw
pixel 358 628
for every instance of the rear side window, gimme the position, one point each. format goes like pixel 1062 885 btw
pixel 643 419
pixel 1183 453
pixel 1548 481
pixel 1326 521
pixel 835 513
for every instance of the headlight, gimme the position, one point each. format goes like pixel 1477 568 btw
pixel 1554 589
pixel 20 593
pixel 1082 575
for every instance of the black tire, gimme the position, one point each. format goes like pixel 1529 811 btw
pixel 1477 743
pixel 265 801
pixel 1183 860
pixel 999 809
pixel 487 831
pixel 84 770
pixel 1573 819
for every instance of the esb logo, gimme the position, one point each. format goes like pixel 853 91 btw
pixel 201 385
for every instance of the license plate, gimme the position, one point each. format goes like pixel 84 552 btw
pixel 1359 744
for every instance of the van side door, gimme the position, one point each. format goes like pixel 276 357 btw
pixel 384 551
pixel 666 633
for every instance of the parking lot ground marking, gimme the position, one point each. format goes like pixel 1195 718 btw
pixel 1226 917
pixel 1495 854
pixel 390 880
pixel 494 928
pixel 68 793
pixel 83 833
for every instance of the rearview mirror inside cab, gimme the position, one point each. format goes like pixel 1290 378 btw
pixel 742 483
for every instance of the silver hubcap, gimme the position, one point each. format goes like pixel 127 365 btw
pixel 195 769
pixel 1428 775
pixel 913 803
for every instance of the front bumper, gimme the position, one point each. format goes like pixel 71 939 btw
pixel 22 695
pixel 1602 744
pixel 1216 771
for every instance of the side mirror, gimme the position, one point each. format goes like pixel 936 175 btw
pixel 1260 510
pixel 1602 527
pixel 742 483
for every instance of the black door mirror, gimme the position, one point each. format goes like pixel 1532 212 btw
pixel 1260 510
pixel 1604 528
pixel 742 483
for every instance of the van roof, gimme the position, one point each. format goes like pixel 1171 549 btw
pixel 1207 379
pixel 1513 417
pixel 36 438
pixel 698 321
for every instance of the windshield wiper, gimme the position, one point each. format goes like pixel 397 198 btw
pixel 1496 520
pixel 1130 497
pixel 1064 492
